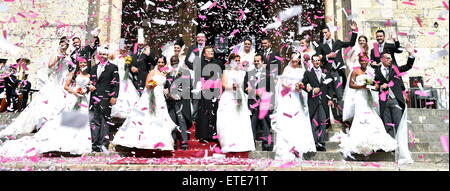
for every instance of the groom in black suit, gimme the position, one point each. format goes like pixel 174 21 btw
pixel 143 60
pixel 333 63
pixel 177 92
pixel 255 79
pixel 318 85
pixel 390 86
pixel 104 90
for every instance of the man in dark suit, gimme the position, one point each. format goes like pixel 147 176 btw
pixel 2 73
pixel 254 80
pixel 177 91
pixel 211 70
pixel 25 88
pixel 87 51
pixel 333 63
pixel 11 84
pixel 270 56
pixel 143 60
pixel 392 102
pixel 318 85
pixel 193 61
pixel 104 90
pixel 375 55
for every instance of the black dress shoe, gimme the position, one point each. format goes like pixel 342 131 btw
pixel 184 147
pixel 321 148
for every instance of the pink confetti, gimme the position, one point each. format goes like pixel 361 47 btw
pixel 408 3
pixel 157 145
pixel 376 50
pixel 445 4
pixel 287 115
pixel 421 156
pixel 83 105
pixel 338 85
pixel 32 149
pixel 285 91
pixel 390 124
pixel 287 165
pixel 444 142
pixel 279 58
pixel 419 21
pixel 375 165
pixel 269 139
pixel 403 34
pixel 315 122
pixel 421 93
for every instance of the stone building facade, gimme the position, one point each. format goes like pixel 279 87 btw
pixel 37 25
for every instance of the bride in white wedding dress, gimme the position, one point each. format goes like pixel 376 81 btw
pixel 367 133
pixel 68 131
pixel 233 116
pixel 49 101
pixel 149 125
pixel 293 128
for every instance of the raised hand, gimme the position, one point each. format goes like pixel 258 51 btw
pixel 354 26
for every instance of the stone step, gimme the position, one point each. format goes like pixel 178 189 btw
pixel 424 137
pixel 428 128
pixel 428 112
pixel 380 156
pixel 428 120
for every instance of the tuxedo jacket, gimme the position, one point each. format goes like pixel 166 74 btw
pixel 183 75
pixel 196 53
pixel 398 84
pixel 250 80
pixel 107 86
pixel 271 58
pixel 87 52
pixel 389 47
pixel 11 84
pixel 337 45
pixel 143 62
pixel 326 89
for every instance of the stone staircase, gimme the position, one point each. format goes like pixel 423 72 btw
pixel 426 125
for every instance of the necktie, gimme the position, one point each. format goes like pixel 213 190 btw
pixel 330 44
pixel 318 74
pixel 386 73
pixel 100 69
pixel 381 48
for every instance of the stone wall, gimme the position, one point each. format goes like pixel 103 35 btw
pixel 55 18
pixel 427 39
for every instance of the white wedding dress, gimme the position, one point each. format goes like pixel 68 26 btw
pixel 128 95
pixel 293 126
pixel 367 133
pixel 233 122
pixel 145 130
pixel 55 135
pixel 46 104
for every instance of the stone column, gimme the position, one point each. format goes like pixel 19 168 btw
pixel 116 24
pixel 102 22
pixel 329 12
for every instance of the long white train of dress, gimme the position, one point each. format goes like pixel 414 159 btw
pixel 233 122
pixel 128 95
pixel 146 130
pixel 54 135
pixel 293 127
pixel 367 133
pixel 46 104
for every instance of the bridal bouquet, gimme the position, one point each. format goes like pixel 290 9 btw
pixel 238 95
pixel 368 81
pixel 128 62
pixel 151 84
